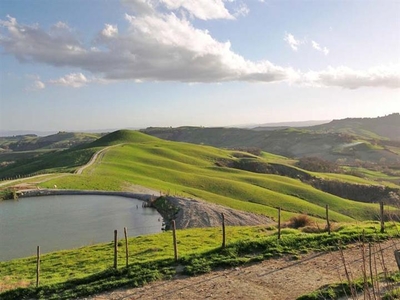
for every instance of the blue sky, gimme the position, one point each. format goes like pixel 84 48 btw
pixel 82 65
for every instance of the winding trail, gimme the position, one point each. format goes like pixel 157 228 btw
pixel 94 158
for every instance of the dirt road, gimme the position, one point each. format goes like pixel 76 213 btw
pixel 93 159
pixel 273 279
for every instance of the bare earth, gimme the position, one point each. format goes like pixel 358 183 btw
pixel 198 213
pixel 272 279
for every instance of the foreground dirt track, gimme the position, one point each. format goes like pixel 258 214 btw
pixel 282 278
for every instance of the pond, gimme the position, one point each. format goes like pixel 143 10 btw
pixel 66 222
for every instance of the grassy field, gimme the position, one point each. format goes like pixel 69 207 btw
pixel 79 272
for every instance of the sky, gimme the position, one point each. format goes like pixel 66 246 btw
pixel 71 65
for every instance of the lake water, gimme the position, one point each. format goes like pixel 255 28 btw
pixel 66 222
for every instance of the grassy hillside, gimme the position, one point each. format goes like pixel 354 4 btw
pixel 193 170
pixel 371 143
pixel 387 127
pixel 78 273
pixel 22 147
pixel 295 143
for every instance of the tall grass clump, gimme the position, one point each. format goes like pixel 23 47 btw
pixel 299 221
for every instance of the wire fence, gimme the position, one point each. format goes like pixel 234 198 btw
pixel 347 267
pixel 354 261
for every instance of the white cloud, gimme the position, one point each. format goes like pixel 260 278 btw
pixel 61 25
pixel 142 7
pixel 201 9
pixel 38 85
pixel 242 10
pixel 109 30
pixel 161 47
pixel 292 42
pixel 383 76
pixel 164 47
pixel 317 47
pixel 35 86
pixel 74 80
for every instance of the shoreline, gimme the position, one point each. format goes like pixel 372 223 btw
pixel 50 192
pixel 187 212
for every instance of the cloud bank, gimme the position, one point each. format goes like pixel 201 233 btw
pixel 161 44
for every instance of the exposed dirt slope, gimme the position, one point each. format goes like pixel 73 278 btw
pixel 190 213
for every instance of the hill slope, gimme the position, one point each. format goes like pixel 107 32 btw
pixel 27 146
pixel 196 171
pixel 347 141
pixel 382 127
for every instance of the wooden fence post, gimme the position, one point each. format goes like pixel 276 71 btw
pixel 328 224
pixel 382 220
pixel 37 265
pixel 223 231
pixel 115 249
pixel 174 240
pixel 126 246
pixel 371 274
pixel 397 256
pixel 279 223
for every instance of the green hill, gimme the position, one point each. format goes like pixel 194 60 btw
pixel 122 136
pixel 23 147
pixel 196 171
pixel 349 142
pixel 387 127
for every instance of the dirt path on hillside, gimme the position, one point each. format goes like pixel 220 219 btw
pixel 94 158
pixel 272 279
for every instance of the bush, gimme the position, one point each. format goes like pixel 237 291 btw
pixel 299 221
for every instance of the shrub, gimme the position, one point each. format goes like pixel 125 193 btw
pixel 299 221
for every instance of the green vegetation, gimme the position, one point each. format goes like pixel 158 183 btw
pixel 55 162
pixel 81 272
pixel 8 194
pixel 189 170
pixel 22 149
pixel 196 171
pixel 367 142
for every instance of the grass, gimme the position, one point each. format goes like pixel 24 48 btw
pixel 190 170
pixel 87 270
pixel 55 162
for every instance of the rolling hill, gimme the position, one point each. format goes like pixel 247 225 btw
pixel 14 148
pixel 195 171
pixel 347 142
pixel 387 127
